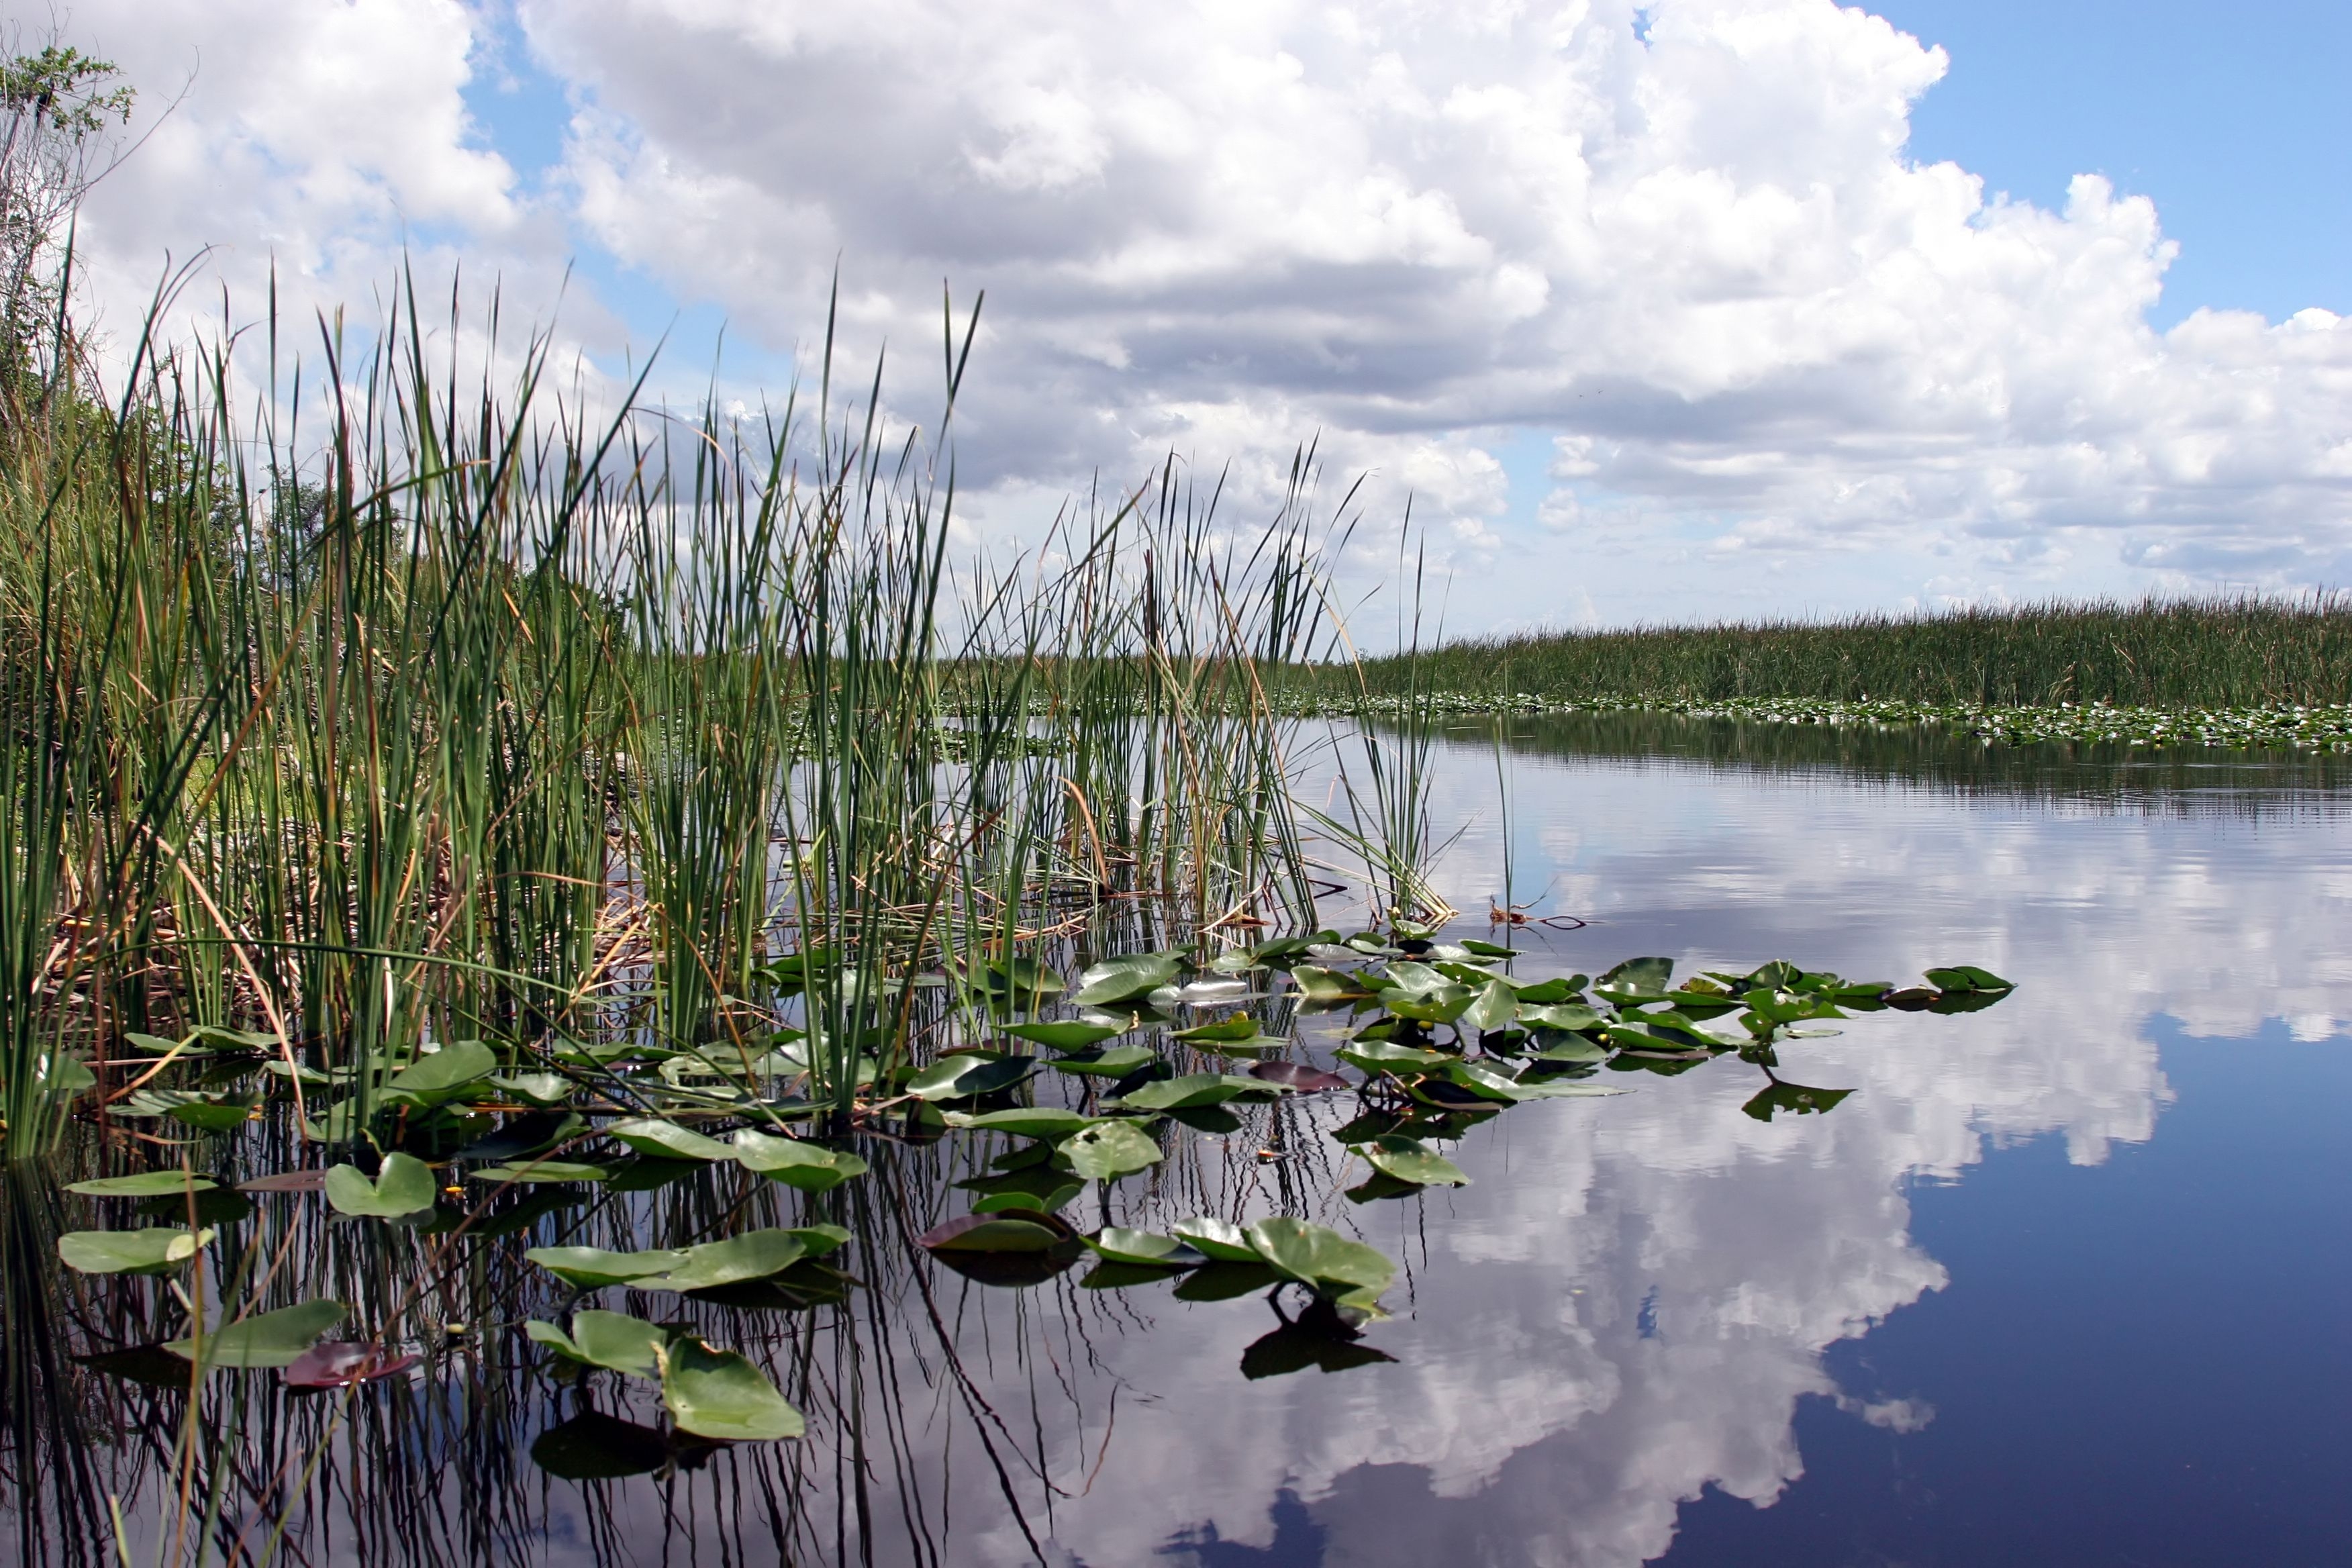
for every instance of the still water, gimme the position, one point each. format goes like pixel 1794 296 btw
pixel 2061 1282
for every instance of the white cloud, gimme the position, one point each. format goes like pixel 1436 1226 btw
pixel 1771 344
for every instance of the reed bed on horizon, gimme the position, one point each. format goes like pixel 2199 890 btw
pixel 385 708
pixel 2221 650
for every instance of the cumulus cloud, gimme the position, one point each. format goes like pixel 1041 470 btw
pixel 1784 365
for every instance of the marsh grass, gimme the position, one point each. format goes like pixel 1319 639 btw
pixel 2209 651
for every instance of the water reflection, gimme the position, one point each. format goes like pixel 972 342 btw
pixel 1625 1309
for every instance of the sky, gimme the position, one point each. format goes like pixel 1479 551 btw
pixel 1664 312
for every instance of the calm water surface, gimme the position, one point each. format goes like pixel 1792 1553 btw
pixel 2063 1282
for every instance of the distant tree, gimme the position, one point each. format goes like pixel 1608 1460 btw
pixel 56 108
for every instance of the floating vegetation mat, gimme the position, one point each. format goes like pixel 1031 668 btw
pixel 637 1255
pixel 2326 728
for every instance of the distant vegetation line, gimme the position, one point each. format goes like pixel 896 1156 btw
pixel 2213 651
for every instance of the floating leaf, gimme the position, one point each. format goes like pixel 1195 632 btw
pixel 1116 1062
pixel 1571 1016
pixel 796 1163
pixel 1440 1006
pixel 754 1255
pixel 1216 1240
pixel 1048 1123
pixel 1065 1035
pixel 265 1339
pixel 1968 977
pixel 310 1181
pixel 997 1233
pixel 592 1267
pixel 1408 1159
pixel 821 1240
pixel 1319 985
pixel 535 1087
pixel 526 1134
pixel 158 1249
pixel 611 1339
pixel 967 1074
pixel 1293 1076
pixel 1235 1026
pixel 1349 1272
pixel 1793 1098
pixel 649 1135
pixel 541 1171
pixel 1383 1055
pixel 1492 1008
pixel 1022 981
pixel 1549 992
pixel 1110 1149
pixel 1142 1247
pixel 340 1364
pixel 1642 973
pixel 446 1073
pixel 1487 949
pixel 147 1185
pixel 1574 1048
pixel 1198 1088
pixel 1126 979
pixel 404 1187
pixel 718 1393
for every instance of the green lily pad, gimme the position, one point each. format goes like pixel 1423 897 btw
pixel 147 1185
pixel 1440 1006
pixel 1493 1008
pixel 541 1172
pixel 158 1249
pixel 1116 1062
pixel 720 1394
pixel 592 1267
pixel 1017 1233
pixel 447 1073
pixel 1215 1239
pixel 1350 1273
pixel 1065 1035
pixel 967 1074
pixel 1487 949
pixel 1968 977
pixel 1384 1056
pixel 1126 979
pixel 1049 1122
pixel 1236 1027
pixel 1110 1149
pixel 1318 984
pixel 754 1255
pixel 666 1140
pixel 795 1161
pixel 404 1185
pixel 1642 973
pixel 1193 1089
pixel 1143 1249
pixel 1548 992
pixel 1022 981
pixel 535 1087
pixel 265 1339
pixel 1409 1160
pixel 614 1341
pixel 1571 1016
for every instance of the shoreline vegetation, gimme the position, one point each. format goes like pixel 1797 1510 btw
pixel 2241 671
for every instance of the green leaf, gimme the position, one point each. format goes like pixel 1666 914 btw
pixel 1571 1048
pixel 1191 1089
pixel 158 1249
pixel 754 1255
pixel 265 1339
pixel 1386 1055
pixel 1065 1035
pixel 718 1393
pixel 1022 981
pixel 1408 1159
pixel 796 1163
pixel 1793 1098
pixel 1968 977
pixel 821 1240
pixel 1642 973
pixel 1109 1151
pixel 1320 985
pixel 1116 1062
pixel 1440 1006
pixel 1571 1016
pixel 1126 979
pixel 592 1267
pixel 1487 949
pixel 404 1185
pixel 1142 1247
pixel 1049 1122
pixel 447 1072
pixel 1493 1008
pixel 147 1185
pixel 648 1135
pixel 535 1087
pixel 1215 1239
pixel 1236 1027
pixel 614 1341
pixel 1021 1232
pixel 1409 978
pixel 539 1171
pixel 966 1075
pixel 1323 1260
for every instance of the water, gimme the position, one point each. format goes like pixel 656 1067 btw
pixel 2059 1282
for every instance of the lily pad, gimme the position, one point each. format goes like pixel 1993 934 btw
pixel 1049 1122
pixel 611 1339
pixel 1116 1062
pixel 796 1163
pixel 1295 1076
pixel 1350 1273
pixel 541 1172
pixel 754 1255
pixel 1237 1026
pixel 1126 979
pixel 1410 1160
pixel 1110 1149
pixel 1320 985
pixel 535 1087
pixel 666 1140
pixel 158 1249
pixel 447 1073
pixel 1440 1006
pixel 967 1074
pixel 404 1187
pixel 310 1181
pixel 1795 1099
pixel 1384 1056
pixel 147 1185
pixel 1065 1035
pixel 1216 1240
pixel 1143 1249
pixel 720 1394
pixel 1193 1089
pixel 997 1233
pixel 265 1339
pixel 1493 1008
pixel 592 1267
